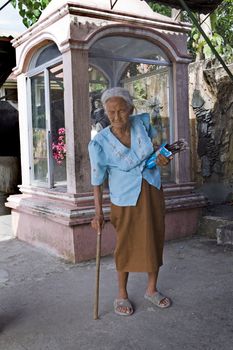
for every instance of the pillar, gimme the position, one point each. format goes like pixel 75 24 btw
pixel 77 119
pixel 181 121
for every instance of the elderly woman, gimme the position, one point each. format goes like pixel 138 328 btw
pixel 120 152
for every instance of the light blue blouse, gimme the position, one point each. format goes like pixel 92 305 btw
pixel 124 166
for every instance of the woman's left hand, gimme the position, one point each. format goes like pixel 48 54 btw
pixel 162 160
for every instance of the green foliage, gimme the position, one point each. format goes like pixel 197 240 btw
pixel 30 10
pixel 162 9
pixel 140 90
pixel 200 46
pixel 222 21
pixel 221 40
pixel 222 31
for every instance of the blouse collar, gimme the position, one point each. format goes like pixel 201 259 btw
pixel 141 145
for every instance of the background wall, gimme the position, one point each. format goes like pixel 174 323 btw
pixel 211 122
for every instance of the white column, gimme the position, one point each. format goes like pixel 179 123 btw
pixel 23 128
pixel 77 119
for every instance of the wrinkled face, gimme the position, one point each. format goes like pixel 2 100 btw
pixel 118 112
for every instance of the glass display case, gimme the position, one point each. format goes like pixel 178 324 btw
pixel 65 61
pixel 143 69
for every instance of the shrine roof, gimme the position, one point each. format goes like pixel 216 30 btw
pixel 131 8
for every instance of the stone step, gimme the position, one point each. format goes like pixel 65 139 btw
pixel 208 225
pixel 217 223
pixel 225 234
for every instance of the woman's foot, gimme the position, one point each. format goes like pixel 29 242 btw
pixel 123 307
pixel 158 299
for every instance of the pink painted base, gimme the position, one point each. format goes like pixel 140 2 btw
pixel 182 223
pixel 72 243
pixel 78 243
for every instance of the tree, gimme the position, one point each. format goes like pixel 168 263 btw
pixel 30 10
pixel 221 27
pixel 163 9
pixel 222 21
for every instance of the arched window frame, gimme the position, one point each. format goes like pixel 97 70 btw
pixel 33 72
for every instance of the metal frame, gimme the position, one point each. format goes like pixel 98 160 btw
pixel 4 5
pixel 129 59
pixel 49 64
pixel 48 128
pixel 32 73
pixel 112 4
pixel 30 136
pixel 33 181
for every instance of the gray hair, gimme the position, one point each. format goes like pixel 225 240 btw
pixel 117 92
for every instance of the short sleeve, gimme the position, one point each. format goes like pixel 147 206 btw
pixel 98 163
pixel 152 132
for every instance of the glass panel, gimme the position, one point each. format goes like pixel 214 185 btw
pixel 97 84
pixel 57 124
pixel 39 135
pixel 47 54
pixel 127 47
pixel 149 85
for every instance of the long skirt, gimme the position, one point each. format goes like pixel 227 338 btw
pixel 140 232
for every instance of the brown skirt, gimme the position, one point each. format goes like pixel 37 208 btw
pixel 140 232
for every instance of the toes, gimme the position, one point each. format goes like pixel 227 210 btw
pixel 123 307
pixel 125 310
pixel 128 310
pixel 165 302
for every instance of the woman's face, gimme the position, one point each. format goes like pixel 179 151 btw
pixel 118 112
pixel 97 104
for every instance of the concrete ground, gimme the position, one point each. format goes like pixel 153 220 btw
pixel 47 304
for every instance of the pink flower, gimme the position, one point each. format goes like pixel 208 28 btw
pixel 61 131
pixel 59 148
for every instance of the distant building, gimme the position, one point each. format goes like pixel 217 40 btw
pixel 11 27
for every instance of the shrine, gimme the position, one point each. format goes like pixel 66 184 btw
pixel 65 61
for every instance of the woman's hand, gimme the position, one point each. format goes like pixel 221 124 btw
pixel 162 160
pixel 97 223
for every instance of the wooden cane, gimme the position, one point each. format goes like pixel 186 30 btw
pixel 98 252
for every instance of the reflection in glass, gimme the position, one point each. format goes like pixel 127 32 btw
pixel 47 54
pixel 126 48
pixel 40 165
pixel 97 84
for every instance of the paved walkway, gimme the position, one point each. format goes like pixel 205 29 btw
pixel 47 304
pixel 5 228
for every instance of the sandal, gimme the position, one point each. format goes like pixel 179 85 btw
pixel 156 300
pixel 123 303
